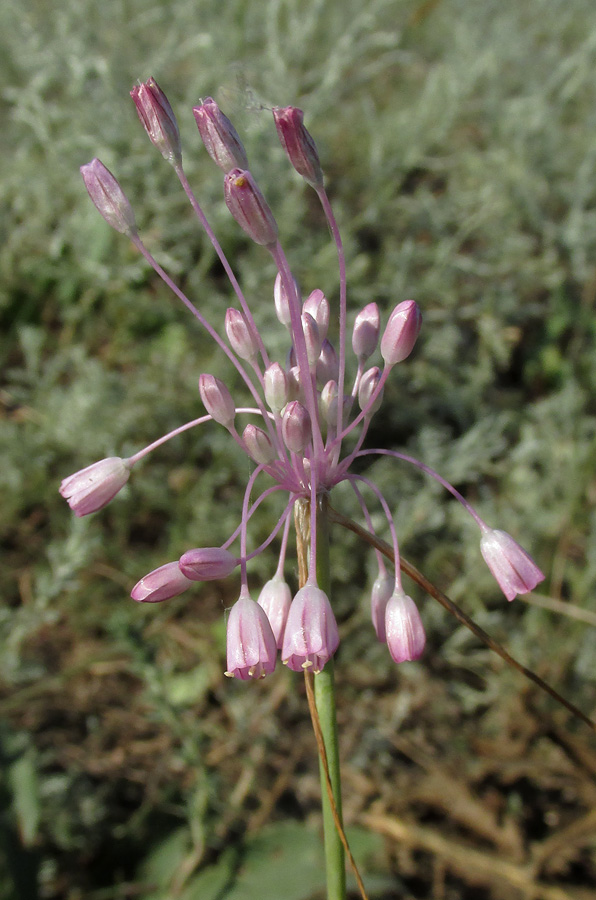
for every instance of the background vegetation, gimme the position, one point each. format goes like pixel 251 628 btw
pixel 459 142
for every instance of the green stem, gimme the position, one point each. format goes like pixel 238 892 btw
pixel 325 701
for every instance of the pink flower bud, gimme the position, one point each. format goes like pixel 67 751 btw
pixel 217 399
pixel 298 144
pixel 220 137
pixel 92 488
pixel 275 598
pixel 295 427
pixel 311 636
pixel 258 445
pixel 312 339
pixel 327 363
pixel 513 568
pixel 368 385
pixel 282 302
pixel 275 387
pixel 317 305
pixel 295 386
pixel 158 119
pixel 382 590
pixel 108 197
pixel 248 206
pixel 207 563
pixel 239 334
pixel 404 629
pixel 365 336
pixel 161 584
pixel 401 332
pixel 328 403
pixel 251 645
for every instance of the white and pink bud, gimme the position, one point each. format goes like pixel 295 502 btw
pixel 311 637
pixel 248 206
pixel 275 387
pixel 328 403
pixel 158 120
pixel 258 445
pixel 365 336
pixel 404 630
pixel 108 197
pixel 240 335
pixel 312 340
pixel 251 645
pixel 282 301
pixel 298 144
pixel 296 427
pixel 401 332
pixel 327 363
pixel 317 305
pixel 381 592
pixel 514 570
pixel 368 385
pixel 275 598
pixel 219 137
pixel 161 584
pixel 217 399
pixel 295 385
pixel 92 488
pixel 207 563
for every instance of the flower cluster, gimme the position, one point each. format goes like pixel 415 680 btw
pixel 305 411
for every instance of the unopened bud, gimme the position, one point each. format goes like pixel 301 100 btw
pixel 382 590
pixel 401 332
pixel 298 144
pixel 248 206
pixel 328 403
pixel 318 306
pixel 239 334
pixel 404 629
pixel 158 119
pixel 312 340
pixel 161 584
pixel 327 363
pixel 219 137
pixel 296 427
pixel 217 399
pixel 295 386
pixel 258 445
pixel 365 336
pixel 368 386
pixel 276 387
pixel 207 563
pixel 92 488
pixel 282 301
pixel 275 598
pixel 108 197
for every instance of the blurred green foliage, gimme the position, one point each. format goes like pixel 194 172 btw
pixel 458 141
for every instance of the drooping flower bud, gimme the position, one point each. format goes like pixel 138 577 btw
pixel 312 340
pixel 365 336
pixel 219 137
pixel 298 144
pixel 251 645
pixel 382 590
pixel 207 563
pixel 217 399
pixel 161 584
pixel 317 305
pixel 275 598
pixel 311 636
pixel 404 629
pixel 108 197
pixel 282 302
pixel 275 387
pixel 158 119
pixel 368 386
pixel 259 447
pixel 296 427
pixel 327 363
pixel 239 334
pixel 514 570
pixel 401 332
pixel 92 488
pixel 248 206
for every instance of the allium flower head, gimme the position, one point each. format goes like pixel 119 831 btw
pixel 308 414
